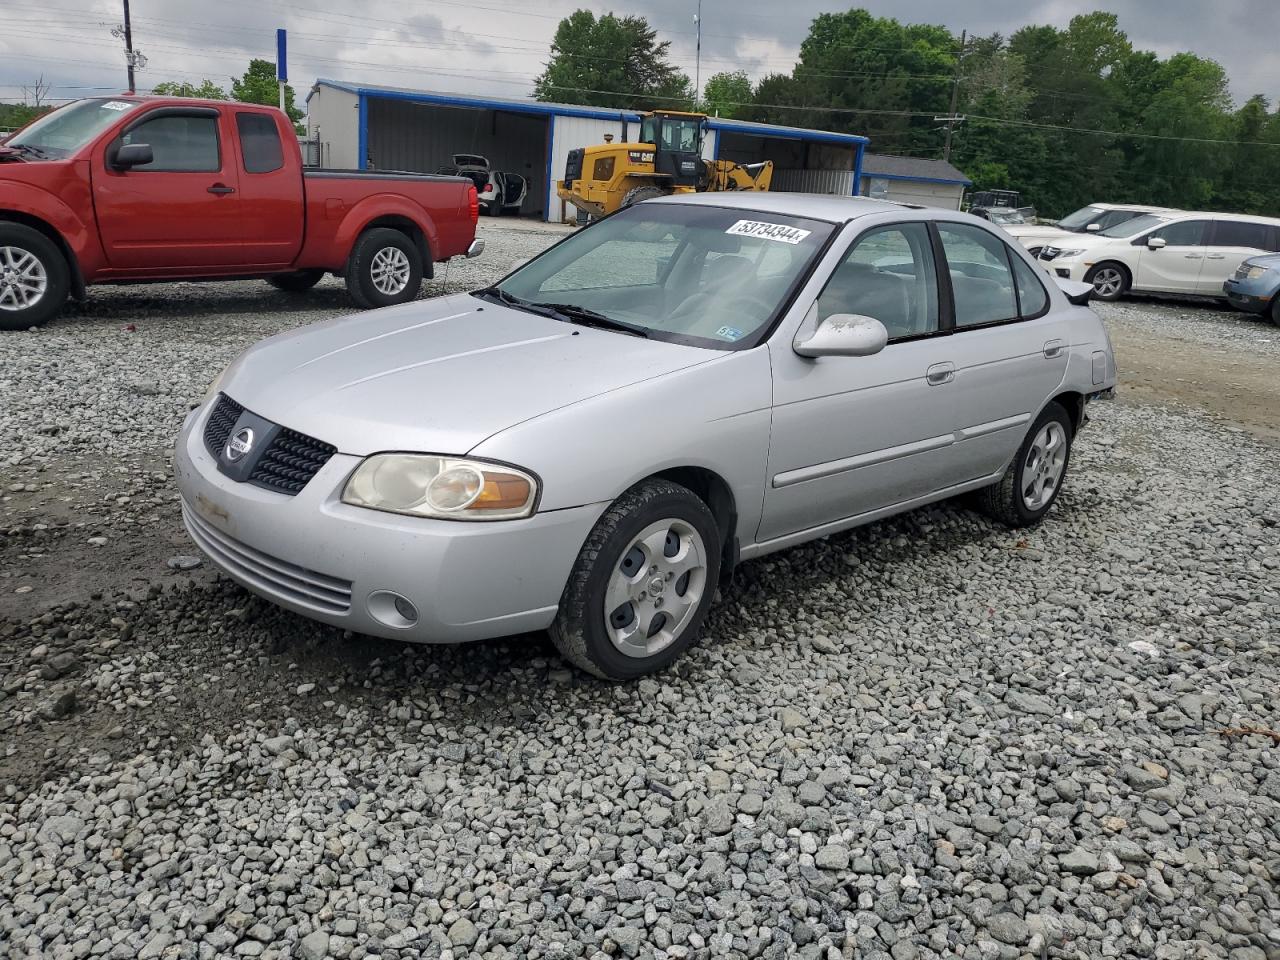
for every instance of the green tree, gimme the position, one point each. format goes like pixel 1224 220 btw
pixel 727 94
pixel 15 115
pixel 206 90
pixel 611 61
pixel 259 85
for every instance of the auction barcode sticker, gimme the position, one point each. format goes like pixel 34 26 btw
pixel 768 231
pixel 118 105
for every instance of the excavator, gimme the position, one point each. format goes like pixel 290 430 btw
pixel 667 159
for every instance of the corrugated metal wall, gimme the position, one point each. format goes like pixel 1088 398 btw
pixel 333 116
pixel 570 133
pixel 423 137
pixel 813 181
pixel 947 196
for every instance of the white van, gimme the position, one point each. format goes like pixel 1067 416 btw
pixel 1186 253
pixel 1094 218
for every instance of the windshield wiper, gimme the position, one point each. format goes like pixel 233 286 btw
pixel 29 149
pixel 590 318
pixel 498 295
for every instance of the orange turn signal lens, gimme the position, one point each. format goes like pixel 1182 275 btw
pixel 502 491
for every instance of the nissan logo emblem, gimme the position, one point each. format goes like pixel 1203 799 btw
pixel 239 445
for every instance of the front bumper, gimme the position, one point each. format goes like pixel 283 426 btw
pixel 342 565
pixel 1246 296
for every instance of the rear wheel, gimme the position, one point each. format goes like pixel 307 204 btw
pixel 34 277
pixel 642 583
pixel 639 194
pixel 299 281
pixel 1110 281
pixel 1274 312
pixel 385 269
pixel 1033 480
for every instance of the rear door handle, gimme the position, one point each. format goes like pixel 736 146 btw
pixel 1216 256
pixel 221 189
pixel 1195 256
pixel 940 373
pixel 1054 348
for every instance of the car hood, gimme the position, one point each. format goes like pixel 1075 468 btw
pixel 1270 260
pixel 438 376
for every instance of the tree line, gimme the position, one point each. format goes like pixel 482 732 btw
pixel 1066 115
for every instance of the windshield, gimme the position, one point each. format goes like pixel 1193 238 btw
pixel 686 273
pixel 682 136
pixel 63 132
pixel 1080 219
pixel 1133 227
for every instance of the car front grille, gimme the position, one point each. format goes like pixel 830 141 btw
pixel 270 575
pixel 291 461
pixel 285 466
pixel 218 427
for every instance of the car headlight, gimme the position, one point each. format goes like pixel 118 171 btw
pixel 1058 253
pixel 445 488
pixel 1256 273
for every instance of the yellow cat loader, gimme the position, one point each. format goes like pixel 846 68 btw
pixel 667 159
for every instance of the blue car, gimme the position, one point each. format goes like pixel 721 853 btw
pixel 1255 286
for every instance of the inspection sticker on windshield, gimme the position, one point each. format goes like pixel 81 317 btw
pixel 768 231
pixel 117 105
pixel 729 333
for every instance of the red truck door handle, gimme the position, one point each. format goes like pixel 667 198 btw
pixel 221 188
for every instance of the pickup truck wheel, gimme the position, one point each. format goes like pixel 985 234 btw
pixel 1034 479
pixel 385 269
pixel 34 277
pixel 642 583
pixel 300 281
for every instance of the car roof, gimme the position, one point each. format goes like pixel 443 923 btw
pixel 1220 214
pixel 818 206
pixel 1139 207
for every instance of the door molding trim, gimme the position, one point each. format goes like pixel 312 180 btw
pixel 992 426
pixel 832 467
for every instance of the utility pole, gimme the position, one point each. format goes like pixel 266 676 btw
pixel 128 45
pixel 697 63
pixel 955 95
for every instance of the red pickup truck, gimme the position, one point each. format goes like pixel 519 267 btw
pixel 129 189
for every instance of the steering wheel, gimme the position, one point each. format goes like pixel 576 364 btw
pixel 750 304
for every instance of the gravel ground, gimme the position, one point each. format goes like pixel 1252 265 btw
pixel 930 737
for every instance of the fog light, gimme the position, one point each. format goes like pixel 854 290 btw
pixel 406 609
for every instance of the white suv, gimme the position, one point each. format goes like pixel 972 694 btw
pixel 1094 218
pixel 1186 253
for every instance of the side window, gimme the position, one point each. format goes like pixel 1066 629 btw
pixel 1188 233
pixel 179 144
pixel 980 278
pixel 889 274
pixel 260 147
pixel 1241 233
pixel 1032 297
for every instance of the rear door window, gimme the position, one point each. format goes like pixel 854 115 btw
pixel 981 281
pixel 260 146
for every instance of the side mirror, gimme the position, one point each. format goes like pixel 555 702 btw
pixel 1094 227
pixel 844 335
pixel 1157 243
pixel 132 155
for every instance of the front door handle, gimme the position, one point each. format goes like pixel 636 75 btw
pixel 1216 256
pixel 221 189
pixel 940 373
pixel 1054 348
pixel 1195 256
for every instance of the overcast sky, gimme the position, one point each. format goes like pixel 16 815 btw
pixel 498 46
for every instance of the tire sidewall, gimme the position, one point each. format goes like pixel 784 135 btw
pixel 1119 293
pixel 56 271
pixel 362 266
pixel 591 615
pixel 1053 411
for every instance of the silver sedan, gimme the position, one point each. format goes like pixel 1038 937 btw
pixel 590 445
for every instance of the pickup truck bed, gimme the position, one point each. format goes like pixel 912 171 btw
pixel 137 189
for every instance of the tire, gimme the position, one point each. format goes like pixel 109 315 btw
pixel 35 278
pixel 495 208
pixel 299 281
pixel 640 194
pixel 1110 281
pixel 1008 500
pixel 385 268
pixel 669 517
pixel 1274 313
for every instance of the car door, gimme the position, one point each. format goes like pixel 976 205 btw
pixel 1009 349
pixel 271 199
pixel 1231 242
pixel 181 210
pixel 852 435
pixel 1175 267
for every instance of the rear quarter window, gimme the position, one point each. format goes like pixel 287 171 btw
pixel 260 146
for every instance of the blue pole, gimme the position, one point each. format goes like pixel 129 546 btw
pixel 362 138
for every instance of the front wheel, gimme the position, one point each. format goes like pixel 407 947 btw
pixel 1110 281
pixel 34 277
pixel 1033 480
pixel 385 269
pixel 642 584
pixel 640 194
pixel 1274 313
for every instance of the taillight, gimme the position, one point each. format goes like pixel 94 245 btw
pixel 473 200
